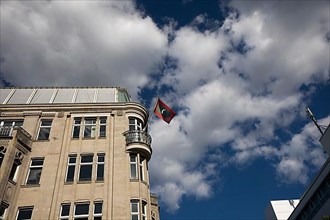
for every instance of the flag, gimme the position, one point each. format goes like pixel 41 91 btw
pixel 163 111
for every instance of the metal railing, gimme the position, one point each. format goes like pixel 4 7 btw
pixel 6 131
pixel 137 137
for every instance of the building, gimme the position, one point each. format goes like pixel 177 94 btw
pixel 74 153
pixel 314 203
pixel 280 209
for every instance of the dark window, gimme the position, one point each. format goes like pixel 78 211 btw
pixel 65 212
pixel 24 213
pixel 86 166
pixel 103 126
pixel 97 214
pixel 100 167
pixel 90 127
pixel 81 211
pixel 2 154
pixel 144 210
pixel 14 171
pixel 44 130
pixel 71 168
pixel 76 128
pixel 35 171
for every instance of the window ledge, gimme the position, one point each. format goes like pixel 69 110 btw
pixel 30 185
pixel 42 140
pixel 134 180
pixel 88 138
pixel 84 182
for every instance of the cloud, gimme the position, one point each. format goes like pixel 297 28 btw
pixel 237 86
pixel 234 85
pixel 84 43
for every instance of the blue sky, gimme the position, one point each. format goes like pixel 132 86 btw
pixel 239 74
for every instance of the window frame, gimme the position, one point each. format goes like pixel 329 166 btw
pixel 89 163
pixel 137 124
pixel 44 128
pixel 82 215
pixel 135 164
pixel 19 210
pixel 65 217
pixel 92 125
pixel 141 167
pixel 76 125
pixel 137 213
pixel 144 210
pixel 102 125
pixel 34 167
pixel 71 165
pixel 97 215
pixel 13 175
pixel 98 165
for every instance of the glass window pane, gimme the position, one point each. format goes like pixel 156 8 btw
pixel 100 158
pixel 135 217
pixel 81 209
pixel 102 130
pixel 87 158
pixel 34 176
pixel 37 162
pixel 24 213
pixel 76 131
pixel 85 173
pixel 98 208
pixel 72 159
pixel 65 210
pixel 100 172
pixel 70 174
pixel 46 123
pixel 135 207
pixel 44 134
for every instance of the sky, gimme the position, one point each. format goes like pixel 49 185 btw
pixel 239 75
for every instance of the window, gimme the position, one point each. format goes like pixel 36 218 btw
pixel 2 154
pixel 103 126
pixel 76 127
pixel 14 171
pixel 35 171
pixel 90 127
pixel 24 213
pixel 3 210
pixel 144 210
pixel 135 124
pixel 71 168
pixel 141 168
pixel 133 166
pixel 81 211
pixel 134 209
pixel 97 213
pixel 65 212
pixel 11 123
pixel 86 166
pixel 100 167
pixel 44 130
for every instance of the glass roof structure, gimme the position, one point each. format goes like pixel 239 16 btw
pixel 63 95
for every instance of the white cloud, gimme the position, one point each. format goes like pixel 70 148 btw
pixel 45 43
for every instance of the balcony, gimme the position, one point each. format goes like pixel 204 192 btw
pixel 138 141
pixel 18 133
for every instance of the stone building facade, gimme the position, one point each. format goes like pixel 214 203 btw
pixel 74 153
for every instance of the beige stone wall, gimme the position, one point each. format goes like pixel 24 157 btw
pixel 115 191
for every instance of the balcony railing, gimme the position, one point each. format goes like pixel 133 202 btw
pixel 6 131
pixel 137 137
